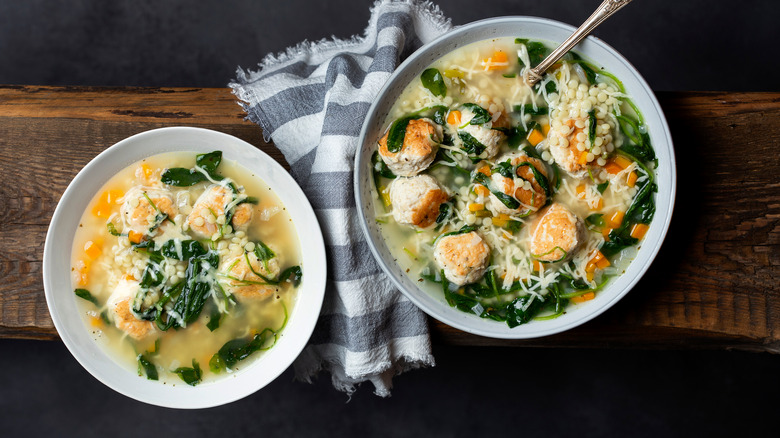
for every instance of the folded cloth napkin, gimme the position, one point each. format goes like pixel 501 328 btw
pixel 312 101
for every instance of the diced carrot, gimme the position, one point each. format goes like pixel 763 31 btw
pixel 481 190
pixel 498 222
pixel 535 137
pixel 95 321
pixel 545 129
pixel 605 232
pixel 106 203
pixel 599 205
pixel 503 275
pixel 453 118
pixel 590 267
pixel 536 265
pixel 590 276
pixel 584 297
pixel 583 158
pixel 639 230
pixel 485 170
pixel 134 236
pixel 615 219
pixel 503 216
pixel 580 190
pixel 612 168
pixel 603 263
pixel 597 256
pixel 631 179
pixel 496 62
pixel 476 207
pixel 92 249
pixel 144 171
pixel 621 161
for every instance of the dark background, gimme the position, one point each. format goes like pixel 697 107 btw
pixel 676 44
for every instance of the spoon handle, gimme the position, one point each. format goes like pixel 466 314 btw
pixel 604 11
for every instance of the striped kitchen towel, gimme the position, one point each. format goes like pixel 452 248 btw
pixel 312 101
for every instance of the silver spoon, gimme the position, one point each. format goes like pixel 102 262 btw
pixel 604 11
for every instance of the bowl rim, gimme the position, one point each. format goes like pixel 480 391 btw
pixel 651 250
pixel 302 319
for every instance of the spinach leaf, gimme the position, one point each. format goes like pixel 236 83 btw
pixel 145 366
pixel 189 249
pixel 196 289
pixel 84 294
pixel 514 226
pixel 481 115
pixel 523 309
pixel 505 169
pixel 152 275
pixel 292 274
pixel 444 214
pixel 529 109
pixel 536 51
pixel 596 220
pixel 603 186
pixel 592 127
pixel 471 145
pixel 440 114
pixel 191 376
pixel 209 162
pixel 214 318
pixel 397 132
pixel 509 201
pixel 640 146
pixel 463 230
pixel 380 168
pixel 434 82
pixel 181 177
pixel 112 230
pixel 514 136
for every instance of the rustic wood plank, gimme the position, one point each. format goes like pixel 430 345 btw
pixel 713 285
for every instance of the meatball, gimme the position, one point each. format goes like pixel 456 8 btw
pixel 463 257
pixel 565 149
pixel 214 202
pixel 142 205
pixel 525 188
pixel 245 282
pixel 558 235
pixel 421 142
pixel 119 307
pixel 490 138
pixel 416 200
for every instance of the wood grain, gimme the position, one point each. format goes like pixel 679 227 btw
pixel 713 284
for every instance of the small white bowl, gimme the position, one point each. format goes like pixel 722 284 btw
pixel 591 48
pixel 62 301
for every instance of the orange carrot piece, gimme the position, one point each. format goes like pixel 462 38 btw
pixel 485 170
pixel 481 190
pixel 453 118
pixel 584 297
pixel 134 236
pixel 631 179
pixel 612 168
pixel 106 203
pixel 621 161
pixel 639 230
pixel 615 219
pixel 92 250
pixel 583 158
pixel 535 137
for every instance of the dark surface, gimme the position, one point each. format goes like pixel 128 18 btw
pixel 677 45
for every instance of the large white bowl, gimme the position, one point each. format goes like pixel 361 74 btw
pixel 592 48
pixel 62 301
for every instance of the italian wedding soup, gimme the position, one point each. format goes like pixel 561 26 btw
pixel 185 267
pixel 514 202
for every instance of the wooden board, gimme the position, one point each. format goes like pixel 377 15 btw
pixel 713 285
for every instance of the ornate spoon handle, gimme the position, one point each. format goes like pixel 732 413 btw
pixel 604 11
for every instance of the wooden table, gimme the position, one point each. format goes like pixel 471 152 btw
pixel 713 285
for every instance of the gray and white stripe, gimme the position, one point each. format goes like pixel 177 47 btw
pixel 312 101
